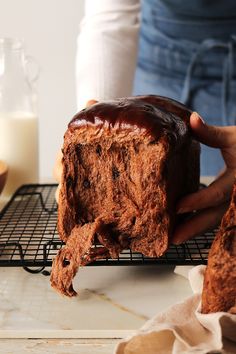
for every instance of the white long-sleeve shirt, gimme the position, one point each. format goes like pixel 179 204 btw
pixel 107 50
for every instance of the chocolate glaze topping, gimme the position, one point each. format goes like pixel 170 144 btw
pixel 155 115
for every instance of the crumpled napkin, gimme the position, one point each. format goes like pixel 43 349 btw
pixel 183 329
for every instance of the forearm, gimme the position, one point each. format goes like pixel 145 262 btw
pixel 107 50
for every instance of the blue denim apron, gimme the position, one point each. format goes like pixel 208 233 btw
pixel 191 58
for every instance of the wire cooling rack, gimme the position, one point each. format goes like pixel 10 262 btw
pixel 29 238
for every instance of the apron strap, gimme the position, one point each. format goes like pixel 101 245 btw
pixel 227 72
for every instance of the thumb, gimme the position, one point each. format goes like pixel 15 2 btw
pixel 217 137
pixel 91 102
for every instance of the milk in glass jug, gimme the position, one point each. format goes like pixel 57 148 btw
pixel 18 117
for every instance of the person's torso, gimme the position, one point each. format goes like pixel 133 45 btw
pixel 191 19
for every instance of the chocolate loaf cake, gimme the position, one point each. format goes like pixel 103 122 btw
pixel 125 164
pixel 219 288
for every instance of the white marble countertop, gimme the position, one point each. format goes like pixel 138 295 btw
pixel 112 303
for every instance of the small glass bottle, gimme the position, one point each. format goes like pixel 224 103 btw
pixel 18 118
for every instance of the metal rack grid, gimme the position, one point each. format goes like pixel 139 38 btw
pixel 29 238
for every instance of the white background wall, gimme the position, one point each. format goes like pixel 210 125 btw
pixel 50 29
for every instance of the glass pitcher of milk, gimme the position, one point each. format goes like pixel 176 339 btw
pixel 18 118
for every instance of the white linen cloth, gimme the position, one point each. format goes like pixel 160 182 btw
pixel 183 329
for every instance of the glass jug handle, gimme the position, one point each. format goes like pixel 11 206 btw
pixel 33 73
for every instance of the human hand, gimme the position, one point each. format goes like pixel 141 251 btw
pixel 209 203
pixel 57 170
